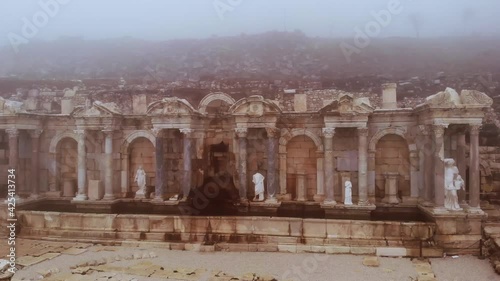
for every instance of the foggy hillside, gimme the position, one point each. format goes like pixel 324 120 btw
pixel 272 55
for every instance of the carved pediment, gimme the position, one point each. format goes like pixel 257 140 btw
pixel 473 97
pixel 254 106
pixel 9 107
pixel 171 106
pixel 448 98
pixel 451 99
pixel 98 109
pixel 346 104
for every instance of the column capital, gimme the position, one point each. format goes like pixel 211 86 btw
pixel 328 132
pixel 79 132
pixel 474 129
pixel 273 132
pixel 362 131
pixel 157 132
pixel 439 130
pixel 12 132
pixel 241 132
pixel 34 134
pixel 187 132
pixel 108 132
pixel 425 129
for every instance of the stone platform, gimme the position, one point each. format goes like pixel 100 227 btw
pixel 235 233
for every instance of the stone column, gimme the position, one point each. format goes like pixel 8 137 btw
pixel 428 174
pixel 186 158
pixel 160 166
pixel 241 133
pixel 474 179
pixel 108 165
pixel 13 134
pixel 301 186
pixel 461 164
pixel 35 169
pixel 438 131
pixel 328 165
pixel 363 166
pixel 82 167
pixel 272 150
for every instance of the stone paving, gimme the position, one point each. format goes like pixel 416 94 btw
pixel 62 261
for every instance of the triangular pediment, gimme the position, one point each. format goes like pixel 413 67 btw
pixel 347 105
pixel 98 109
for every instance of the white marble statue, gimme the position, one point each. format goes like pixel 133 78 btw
pixel 140 178
pixel 452 182
pixel 348 193
pixel 258 180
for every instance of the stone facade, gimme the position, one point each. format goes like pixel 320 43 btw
pixel 305 150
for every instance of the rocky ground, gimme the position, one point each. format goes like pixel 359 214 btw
pixel 42 260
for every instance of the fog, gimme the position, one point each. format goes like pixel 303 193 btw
pixel 170 19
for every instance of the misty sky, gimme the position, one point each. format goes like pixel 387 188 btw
pixel 168 19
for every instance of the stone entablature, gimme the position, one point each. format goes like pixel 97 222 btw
pixel 325 147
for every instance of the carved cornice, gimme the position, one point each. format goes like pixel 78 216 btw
pixel 328 132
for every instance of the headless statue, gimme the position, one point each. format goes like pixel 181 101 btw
pixel 258 180
pixel 452 182
pixel 348 193
pixel 140 178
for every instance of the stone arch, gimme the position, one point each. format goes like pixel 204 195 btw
pixel 390 131
pixel 287 135
pixel 213 97
pixel 55 140
pixel 297 132
pixel 485 168
pixel 137 134
pixel 125 181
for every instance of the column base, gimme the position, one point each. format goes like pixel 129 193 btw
pixel 365 203
pixel 329 202
pixel 439 210
pixel 81 197
pixel 109 197
pixel 53 194
pixel 271 200
pixel 158 199
pixel 475 210
pixel 34 196
pixel 318 198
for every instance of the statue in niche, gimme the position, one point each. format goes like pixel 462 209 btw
pixel 140 178
pixel 348 193
pixel 452 182
pixel 258 180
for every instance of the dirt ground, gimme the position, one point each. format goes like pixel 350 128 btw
pixel 79 261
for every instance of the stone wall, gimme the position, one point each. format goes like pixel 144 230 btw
pixel 67 158
pixel 301 158
pixel 4 162
pixel 392 156
pixel 490 168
